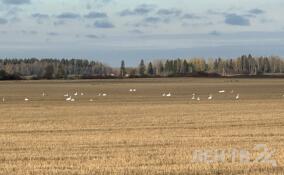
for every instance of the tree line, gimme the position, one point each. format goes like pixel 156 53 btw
pixel 52 69
pixel 34 68
pixel 244 65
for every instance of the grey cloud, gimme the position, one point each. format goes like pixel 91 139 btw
pixel 234 19
pixel 40 16
pixel 16 2
pixel 91 36
pixel 214 12
pixel 190 16
pixel 126 12
pixel 30 32
pixel 215 33
pixel 96 15
pixel 14 11
pixel 169 12
pixel 60 22
pixel 152 20
pixel 68 15
pixel 141 24
pixel 52 34
pixel 3 21
pixel 136 31
pixel 103 24
pixel 143 9
pixel 256 11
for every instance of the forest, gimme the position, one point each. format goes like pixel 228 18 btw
pixel 33 68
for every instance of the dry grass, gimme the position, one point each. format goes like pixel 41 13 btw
pixel 140 133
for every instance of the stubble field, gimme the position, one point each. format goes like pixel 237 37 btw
pixel 140 132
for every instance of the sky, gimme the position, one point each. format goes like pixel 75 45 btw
pixel 112 30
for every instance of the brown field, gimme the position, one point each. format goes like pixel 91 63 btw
pixel 139 133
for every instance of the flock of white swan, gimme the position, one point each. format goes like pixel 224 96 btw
pixel 72 97
pixel 210 96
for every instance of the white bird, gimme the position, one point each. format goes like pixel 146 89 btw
pixel 169 94
pixel 3 99
pixel 210 97
pixel 69 98
pixel 132 90
pixel 104 95
pixel 76 93
pixel 198 99
pixel 26 99
pixel 72 100
pixel 43 94
pixel 222 91
pixel 238 97
pixel 99 94
pixel 163 94
pixel 91 100
pixel 66 95
pixel 193 97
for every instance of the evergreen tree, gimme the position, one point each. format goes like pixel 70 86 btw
pixel 142 68
pixel 60 72
pixel 160 68
pixel 3 75
pixel 167 67
pixel 184 67
pixel 49 71
pixel 150 69
pixel 122 69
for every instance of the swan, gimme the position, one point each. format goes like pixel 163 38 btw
pixel 193 96
pixel 69 98
pixel 210 97
pixel 222 91
pixel 238 97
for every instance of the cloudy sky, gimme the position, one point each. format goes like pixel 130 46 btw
pixel 111 30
